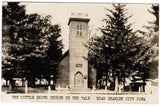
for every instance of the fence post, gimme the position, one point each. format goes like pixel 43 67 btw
pixel 59 89
pixel 93 89
pixel 26 86
pixel 116 85
pixel 49 89
pixel 139 89
pixel 106 88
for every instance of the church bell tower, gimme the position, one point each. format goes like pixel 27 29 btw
pixel 78 65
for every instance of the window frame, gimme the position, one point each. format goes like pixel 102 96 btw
pixel 79 29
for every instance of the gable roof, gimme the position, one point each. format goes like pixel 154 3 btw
pixel 63 56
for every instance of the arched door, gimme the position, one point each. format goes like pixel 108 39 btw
pixel 78 79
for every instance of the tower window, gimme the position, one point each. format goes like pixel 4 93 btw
pixel 79 29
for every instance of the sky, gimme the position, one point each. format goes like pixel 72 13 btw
pixel 60 13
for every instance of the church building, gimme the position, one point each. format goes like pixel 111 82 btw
pixel 73 68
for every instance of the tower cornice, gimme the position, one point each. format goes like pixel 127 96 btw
pixel 78 19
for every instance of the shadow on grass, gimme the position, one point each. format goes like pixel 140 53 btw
pixel 22 90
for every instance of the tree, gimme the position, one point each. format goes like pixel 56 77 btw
pixel 12 16
pixel 117 50
pixel 155 11
pixel 152 36
pixel 54 52
pixel 29 36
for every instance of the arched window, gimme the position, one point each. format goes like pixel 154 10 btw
pixel 79 30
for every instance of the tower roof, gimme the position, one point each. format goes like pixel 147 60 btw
pixel 78 17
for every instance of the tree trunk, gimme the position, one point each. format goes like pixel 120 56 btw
pixel 106 78
pixel 53 87
pixel 33 83
pixel 11 85
pixel 29 83
pixel 40 81
pixel 6 83
pixel 100 84
pixel 124 82
pixel 23 82
pixel 144 85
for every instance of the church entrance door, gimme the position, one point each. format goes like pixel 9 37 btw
pixel 78 79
